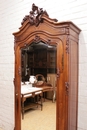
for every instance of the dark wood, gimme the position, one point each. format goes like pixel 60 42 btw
pixel 65 36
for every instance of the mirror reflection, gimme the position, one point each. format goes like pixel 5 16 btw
pixel 38 86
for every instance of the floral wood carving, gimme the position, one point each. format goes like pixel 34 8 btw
pixel 36 39
pixel 35 16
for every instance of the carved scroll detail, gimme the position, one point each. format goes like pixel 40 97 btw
pixel 49 41
pixel 67 87
pixel 24 19
pixel 58 73
pixel 35 16
pixel 67 45
pixel 37 39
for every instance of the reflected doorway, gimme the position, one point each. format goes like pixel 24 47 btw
pixel 39 58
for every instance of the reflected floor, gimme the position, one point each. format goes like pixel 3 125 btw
pixel 35 119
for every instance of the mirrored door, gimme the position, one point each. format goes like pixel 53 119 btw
pixel 39 59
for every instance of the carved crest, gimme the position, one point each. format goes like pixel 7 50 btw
pixel 37 39
pixel 35 16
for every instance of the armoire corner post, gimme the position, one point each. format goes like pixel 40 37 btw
pixel 65 35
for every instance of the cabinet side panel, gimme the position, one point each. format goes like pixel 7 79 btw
pixel 73 87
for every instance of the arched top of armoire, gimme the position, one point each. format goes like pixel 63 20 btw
pixel 38 26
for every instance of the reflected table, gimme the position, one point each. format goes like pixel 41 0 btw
pixel 28 91
pixel 47 88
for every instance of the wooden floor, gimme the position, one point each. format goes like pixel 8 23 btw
pixel 35 119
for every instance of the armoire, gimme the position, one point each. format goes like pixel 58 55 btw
pixel 38 27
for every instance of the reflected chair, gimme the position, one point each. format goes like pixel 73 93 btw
pixel 43 84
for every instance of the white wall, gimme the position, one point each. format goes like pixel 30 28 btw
pixel 11 15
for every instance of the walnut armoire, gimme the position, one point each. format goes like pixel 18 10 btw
pixel 36 27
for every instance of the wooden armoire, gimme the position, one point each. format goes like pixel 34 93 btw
pixel 36 27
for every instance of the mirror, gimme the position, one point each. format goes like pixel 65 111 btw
pixel 39 60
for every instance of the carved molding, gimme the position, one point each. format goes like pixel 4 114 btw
pixel 67 45
pixel 24 19
pixel 62 62
pixel 58 73
pixel 67 87
pixel 37 39
pixel 35 16
pixel 49 41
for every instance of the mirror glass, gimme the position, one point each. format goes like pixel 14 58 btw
pixel 38 63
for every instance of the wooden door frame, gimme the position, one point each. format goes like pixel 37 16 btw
pixel 17 80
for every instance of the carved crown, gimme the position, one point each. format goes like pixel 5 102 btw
pixel 35 16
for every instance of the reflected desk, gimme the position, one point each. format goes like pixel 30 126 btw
pixel 26 92
pixel 46 88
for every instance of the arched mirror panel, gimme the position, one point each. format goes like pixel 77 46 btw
pixel 38 58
